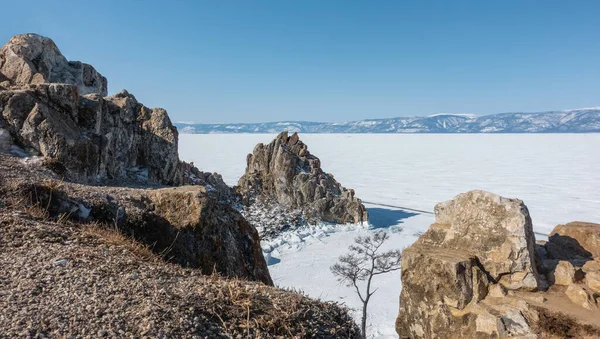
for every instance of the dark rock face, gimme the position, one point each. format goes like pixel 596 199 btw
pixel 212 182
pixel 95 137
pixel 285 174
pixel 476 274
pixel 574 239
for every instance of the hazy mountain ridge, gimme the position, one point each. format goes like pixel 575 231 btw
pixel 583 120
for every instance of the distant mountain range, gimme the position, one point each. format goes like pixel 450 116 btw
pixel 583 120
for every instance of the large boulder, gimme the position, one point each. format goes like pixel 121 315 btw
pixel 496 230
pixel 59 109
pixel 201 232
pixel 34 59
pixel 285 174
pixel 474 274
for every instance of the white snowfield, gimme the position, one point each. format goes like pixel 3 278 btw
pixel 556 175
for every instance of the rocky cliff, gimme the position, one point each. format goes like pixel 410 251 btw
pixel 284 178
pixel 59 109
pixel 478 273
pixel 187 225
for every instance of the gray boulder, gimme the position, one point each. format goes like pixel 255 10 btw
pixel 495 229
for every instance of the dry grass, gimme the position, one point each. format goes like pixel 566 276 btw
pixel 112 236
pixel 34 199
pixel 37 211
pixel 558 325
pixel 52 185
pixel 255 310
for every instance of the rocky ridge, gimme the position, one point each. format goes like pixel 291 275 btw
pixel 478 273
pixel 284 187
pixel 68 241
pixel 58 110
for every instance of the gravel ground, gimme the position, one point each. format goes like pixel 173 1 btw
pixel 61 278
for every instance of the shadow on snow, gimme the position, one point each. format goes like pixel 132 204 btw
pixel 384 217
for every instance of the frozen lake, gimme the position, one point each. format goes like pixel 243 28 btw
pixel 556 175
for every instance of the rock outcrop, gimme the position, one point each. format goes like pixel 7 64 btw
pixel 476 273
pixel 34 59
pixel 187 225
pixel 59 109
pixel 496 230
pixel 285 176
pixel 572 258
pixel 201 232
pixel 56 113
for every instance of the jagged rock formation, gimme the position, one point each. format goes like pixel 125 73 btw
pixel 476 274
pixel 284 175
pixel 59 109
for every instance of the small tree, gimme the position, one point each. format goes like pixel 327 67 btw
pixel 362 263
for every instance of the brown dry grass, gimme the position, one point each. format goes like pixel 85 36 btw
pixel 112 236
pixel 34 200
pixel 255 309
pixel 558 325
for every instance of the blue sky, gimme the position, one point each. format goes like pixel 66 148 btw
pixel 253 61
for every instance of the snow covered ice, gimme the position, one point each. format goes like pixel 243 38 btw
pixel 556 175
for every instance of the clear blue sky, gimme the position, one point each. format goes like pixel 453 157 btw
pixel 253 61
